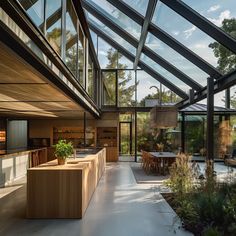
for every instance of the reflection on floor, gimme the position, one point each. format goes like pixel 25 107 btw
pixel 224 173
pixel 119 207
pixel 126 158
pixel 12 187
pixel 129 158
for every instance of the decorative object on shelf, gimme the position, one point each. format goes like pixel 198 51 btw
pixel 63 151
pixel 107 136
pixel 160 147
pixel 203 152
pixel 2 136
pixel 163 117
pixel 76 135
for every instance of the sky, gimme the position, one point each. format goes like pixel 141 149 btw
pixel 182 30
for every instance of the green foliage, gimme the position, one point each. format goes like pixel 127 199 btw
pixel 210 207
pixel 187 212
pixel 212 231
pixel 195 134
pixel 181 178
pixel 205 208
pixel 226 58
pixel 63 149
pixel 125 91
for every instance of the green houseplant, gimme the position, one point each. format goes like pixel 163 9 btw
pixel 63 150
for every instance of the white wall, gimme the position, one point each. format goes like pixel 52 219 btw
pixel 13 167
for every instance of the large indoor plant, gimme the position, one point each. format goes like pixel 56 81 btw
pixel 63 150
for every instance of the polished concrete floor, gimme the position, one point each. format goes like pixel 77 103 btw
pixel 119 207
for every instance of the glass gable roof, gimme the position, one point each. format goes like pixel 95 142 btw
pixel 172 46
pixel 109 32
pixel 165 73
pixel 138 5
pixel 117 17
pixel 185 32
pixel 176 59
pixel 215 11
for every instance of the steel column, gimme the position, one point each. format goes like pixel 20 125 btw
pixel 227 98
pixel 210 120
pixel 183 132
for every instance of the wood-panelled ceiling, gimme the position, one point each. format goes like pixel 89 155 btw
pixel 24 92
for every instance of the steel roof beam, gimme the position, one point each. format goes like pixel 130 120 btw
pixel 221 84
pixel 147 51
pixel 167 39
pixel 142 65
pixel 147 20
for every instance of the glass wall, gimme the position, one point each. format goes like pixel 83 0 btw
pixel 65 35
pixel 126 88
pixel 127 133
pixel 146 136
pixel 53 24
pixel 81 57
pixel 109 80
pixel 107 55
pixel 91 74
pixel 135 89
pixel 195 134
pixel 233 133
pixel 71 38
pixel 233 97
pixel 35 10
pixel 224 135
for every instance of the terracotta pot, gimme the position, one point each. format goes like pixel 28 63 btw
pixel 61 161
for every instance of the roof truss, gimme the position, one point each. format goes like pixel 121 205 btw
pixel 221 84
pixel 167 39
pixel 147 51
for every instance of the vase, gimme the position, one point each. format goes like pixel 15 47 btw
pixel 61 161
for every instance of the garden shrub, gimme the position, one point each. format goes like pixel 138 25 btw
pixel 205 208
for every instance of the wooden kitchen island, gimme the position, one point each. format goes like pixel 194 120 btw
pixel 55 191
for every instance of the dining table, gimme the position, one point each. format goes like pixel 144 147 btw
pixel 166 158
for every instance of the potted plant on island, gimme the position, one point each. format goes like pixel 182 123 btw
pixel 62 151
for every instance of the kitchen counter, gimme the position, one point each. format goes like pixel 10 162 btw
pixel 15 162
pixel 6 153
pixel 64 191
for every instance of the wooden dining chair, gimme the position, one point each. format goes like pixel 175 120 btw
pixel 151 163
pixel 144 161
pixel 157 165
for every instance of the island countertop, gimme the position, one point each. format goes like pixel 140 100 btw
pixel 63 191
